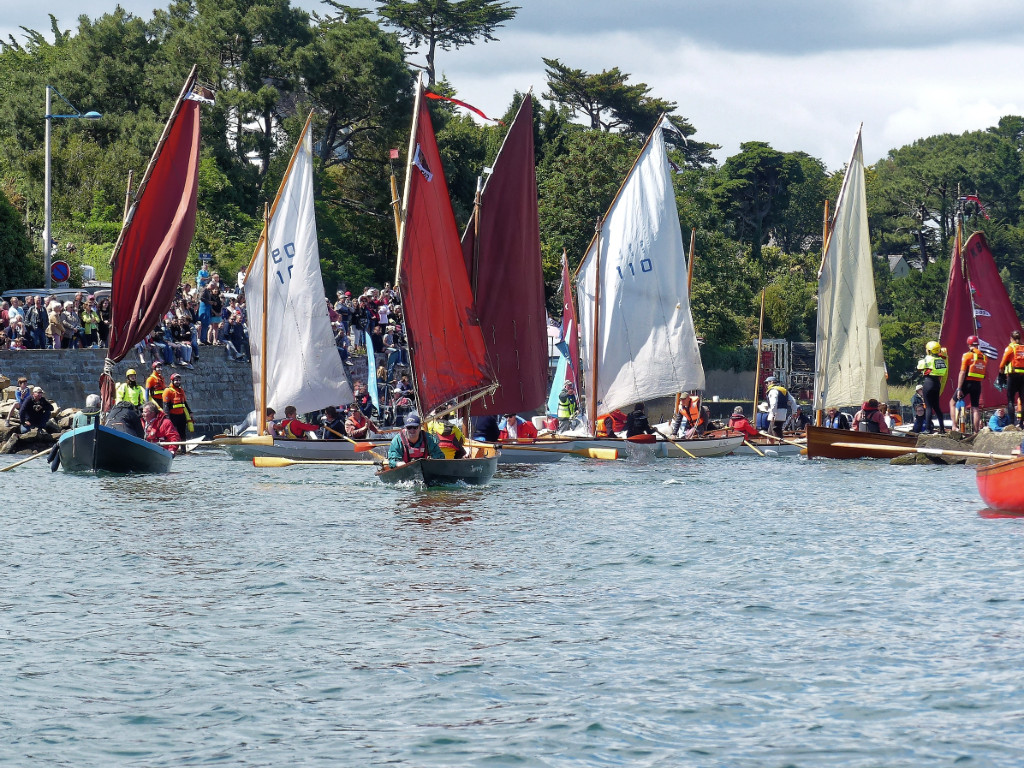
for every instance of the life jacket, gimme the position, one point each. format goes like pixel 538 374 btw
pixel 156 386
pixel 174 399
pixel 412 452
pixel 976 369
pixel 132 394
pixel 1017 360
pixel 868 422
pixel 567 405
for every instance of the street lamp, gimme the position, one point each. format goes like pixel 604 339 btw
pixel 47 242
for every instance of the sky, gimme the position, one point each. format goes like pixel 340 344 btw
pixel 799 74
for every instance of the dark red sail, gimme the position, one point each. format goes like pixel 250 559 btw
pixel 502 252
pixel 976 305
pixel 449 358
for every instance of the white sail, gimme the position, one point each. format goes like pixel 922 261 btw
pixel 646 346
pixel 850 367
pixel 304 368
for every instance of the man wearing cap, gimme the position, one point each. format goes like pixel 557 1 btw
pixel 917 405
pixel 568 405
pixel 780 403
pixel 870 419
pixel 740 423
pixel 968 386
pixel 129 391
pixel 412 443
pixel 35 412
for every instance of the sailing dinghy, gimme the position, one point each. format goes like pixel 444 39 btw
pixel 636 332
pixel 147 262
pixel 447 354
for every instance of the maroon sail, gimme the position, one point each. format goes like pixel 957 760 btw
pixel 150 251
pixel 449 359
pixel 502 252
pixel 976 305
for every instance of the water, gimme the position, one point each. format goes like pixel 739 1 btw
pixel 725 612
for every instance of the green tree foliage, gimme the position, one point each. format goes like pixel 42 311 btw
pixel 445 24
pixel 609 102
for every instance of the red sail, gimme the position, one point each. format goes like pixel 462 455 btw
pixel 976 305
pixel 449 359
pixel 503 261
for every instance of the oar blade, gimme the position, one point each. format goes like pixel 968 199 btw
pixel 271 461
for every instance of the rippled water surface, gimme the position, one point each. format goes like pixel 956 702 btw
pixel 724 612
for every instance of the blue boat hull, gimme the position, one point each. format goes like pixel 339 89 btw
pixel 92 448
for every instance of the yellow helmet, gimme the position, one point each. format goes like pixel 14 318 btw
pixel 130 372
pixel 933 348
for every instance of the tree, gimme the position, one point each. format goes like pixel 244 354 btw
pixel 445 24
pixel 754 189
pixel 609 102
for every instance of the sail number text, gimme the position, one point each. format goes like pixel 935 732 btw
pixel 289 252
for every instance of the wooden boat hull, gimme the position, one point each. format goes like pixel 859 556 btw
pixel 478 469
pixel 1001 485
pixel 92 448
pixel 820 444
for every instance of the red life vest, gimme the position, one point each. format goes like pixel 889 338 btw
pixel 412 452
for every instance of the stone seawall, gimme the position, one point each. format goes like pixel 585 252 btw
pixel 219 390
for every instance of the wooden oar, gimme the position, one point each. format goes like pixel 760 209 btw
pixel 608 454
pixel 245 440
pixel 25 461
pixel 675 443
pixel 753 447
pixel 930 451
pixel 278 461
pixel 784 440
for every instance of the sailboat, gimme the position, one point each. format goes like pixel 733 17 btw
pixel 447 354
pixel 501 248
pixel 636 332
pixel 147 262
pixel 977 304
pixel 849 365
pixel 294 357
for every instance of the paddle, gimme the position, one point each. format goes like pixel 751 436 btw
pixel 246 440
pixel 930 451
pixel 278 461
pixel 25 461
pixel 788 442
pixel 675 443
pixel 608 454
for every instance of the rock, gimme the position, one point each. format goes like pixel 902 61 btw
pixel 943 443
pixel 995 442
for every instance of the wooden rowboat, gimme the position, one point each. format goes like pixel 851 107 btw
pixel 1001 485
pixel 477 469
pixel 821 444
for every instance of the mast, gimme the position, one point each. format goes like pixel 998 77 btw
pixel 592 395
pixel 263 323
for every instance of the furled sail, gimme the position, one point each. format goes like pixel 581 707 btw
pixel 977 304
pixel 849 364
pixel 151 250
pixel 446 348
pixel 502 252
pixel 303 367
pixel 634 309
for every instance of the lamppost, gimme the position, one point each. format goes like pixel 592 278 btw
pixel 47 241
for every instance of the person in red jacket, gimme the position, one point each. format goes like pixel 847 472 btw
pixel 515 428
pixel 740 423
pixel 159 428
pixel 292 427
